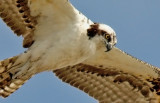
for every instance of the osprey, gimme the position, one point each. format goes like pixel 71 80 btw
pixel 82 53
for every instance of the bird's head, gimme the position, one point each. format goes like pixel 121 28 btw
pixel 102 34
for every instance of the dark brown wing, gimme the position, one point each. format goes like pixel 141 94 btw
pixel 16 14
pixel 108 85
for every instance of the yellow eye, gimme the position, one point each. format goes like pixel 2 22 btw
pixel 107 36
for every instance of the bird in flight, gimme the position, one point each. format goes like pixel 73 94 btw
pixel 80 52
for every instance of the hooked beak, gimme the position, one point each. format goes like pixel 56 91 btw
pixel 108 46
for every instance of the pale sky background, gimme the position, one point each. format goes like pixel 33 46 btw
pixel 137 24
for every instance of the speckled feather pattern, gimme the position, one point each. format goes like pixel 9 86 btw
pixel 114 69
pixel 16 14
pixel 58 39
pixel 7 84
pixel 107 85
pixel 46 25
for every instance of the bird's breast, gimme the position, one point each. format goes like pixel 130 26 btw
pixel 61 49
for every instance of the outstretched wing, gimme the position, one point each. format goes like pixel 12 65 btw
pixel 16 14
pixel 114 77
pixel 32 19
pixel 24 16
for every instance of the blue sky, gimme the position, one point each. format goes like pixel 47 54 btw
pixel 137 24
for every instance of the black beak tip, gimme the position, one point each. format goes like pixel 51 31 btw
pixel 109 47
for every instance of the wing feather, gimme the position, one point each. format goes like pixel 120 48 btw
pixel 108 85
pixel 124 62
pixel 114 77
pixel 30 18
pixel 16 14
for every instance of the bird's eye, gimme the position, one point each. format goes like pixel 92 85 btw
pixel 108 37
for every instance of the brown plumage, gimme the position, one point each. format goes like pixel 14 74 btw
pixel 109 77
pixel 108 85
pixel 16 14
pixel 7 84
